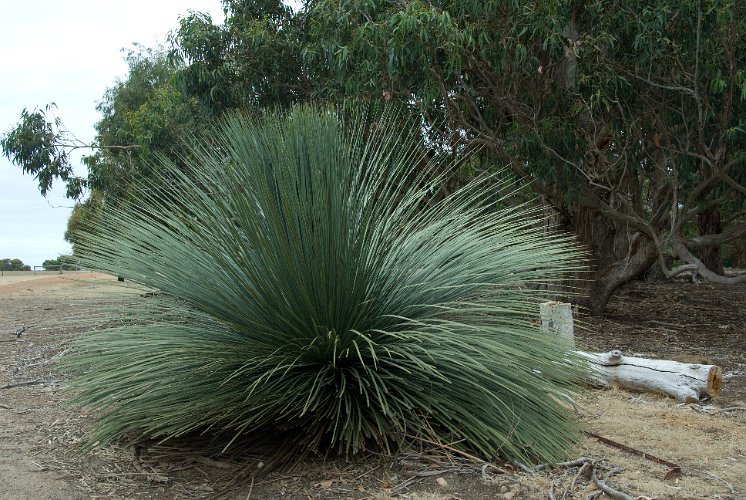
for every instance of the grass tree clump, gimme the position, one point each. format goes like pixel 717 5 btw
pixel 310 288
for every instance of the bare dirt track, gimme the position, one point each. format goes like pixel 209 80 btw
pixel 39 434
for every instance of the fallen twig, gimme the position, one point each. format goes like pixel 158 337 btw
pixel 730 408
pixel 5 407
pixel 251 487
pixel 436 472
pixel 585 465
pixel 608 489
pixel 422 474
pixel 32 382
pixel 675 325
pixel 48 361
pixel 151 476
pixel 20 331
pixel 416 476
pixel 565 465
pixel 551 492
pixel 444 446
pixel 405 484
pixel 486 476
pixel 587 468
pixel 585 471
pixel 523 467
pixel 212 463
pixel 40 466
pixel 730 486
pixel 365 473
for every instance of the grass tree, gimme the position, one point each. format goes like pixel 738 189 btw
pixel 309 288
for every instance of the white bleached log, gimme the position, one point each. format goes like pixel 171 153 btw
pixel 683 381
pixel 686 382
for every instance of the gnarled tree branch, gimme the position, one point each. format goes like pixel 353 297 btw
pixel 730 233
pixel 683 252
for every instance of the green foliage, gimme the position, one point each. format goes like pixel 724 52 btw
pixel 84 213
pixel 565 92
pixel 13 265
pixel 37 146
pixel 310 288
pixel 633 112
pixel 482 69
pixel 250 62
pixel 145 115
pixel 60 261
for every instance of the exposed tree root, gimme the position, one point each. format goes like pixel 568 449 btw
pixel 589 470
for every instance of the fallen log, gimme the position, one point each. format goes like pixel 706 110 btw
pixel 683 381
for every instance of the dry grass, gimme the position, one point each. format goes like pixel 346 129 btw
pixel 39 458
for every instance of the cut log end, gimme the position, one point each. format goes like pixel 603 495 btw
pixel 686 382
pixel 714 381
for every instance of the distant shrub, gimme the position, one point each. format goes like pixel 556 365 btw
pixel 13 265
pixel 61 261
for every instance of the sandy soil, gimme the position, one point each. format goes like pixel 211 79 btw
pixel 7 277
pixel 39 435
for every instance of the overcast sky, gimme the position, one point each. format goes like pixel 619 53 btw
pixel 67 52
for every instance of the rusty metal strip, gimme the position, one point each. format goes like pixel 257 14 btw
pixel 674 469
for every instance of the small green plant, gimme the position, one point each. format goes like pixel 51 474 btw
pixel 310 288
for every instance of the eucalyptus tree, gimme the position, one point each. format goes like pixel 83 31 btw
pixel 143 116
pixel 13 265
pixel 627 117
pixel 250 61
pixel 147 114
pixel 41 145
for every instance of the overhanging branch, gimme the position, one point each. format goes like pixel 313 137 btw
pixel 730 233
pixel 732 183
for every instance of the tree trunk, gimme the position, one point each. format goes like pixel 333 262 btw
pixel 616 258
pixel 642 254
pixel 608 242
pixel 708 222
pixel 655 273
pixel 737 254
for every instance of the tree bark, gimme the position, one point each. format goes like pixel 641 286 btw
pixel 708 223
pixel 642 254
pixel 655 273
pixel 612 252
pixel 607 240
pixel 737 254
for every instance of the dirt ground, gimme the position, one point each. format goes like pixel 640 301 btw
pixel 39 434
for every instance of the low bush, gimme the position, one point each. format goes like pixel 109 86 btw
pixel 310 287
